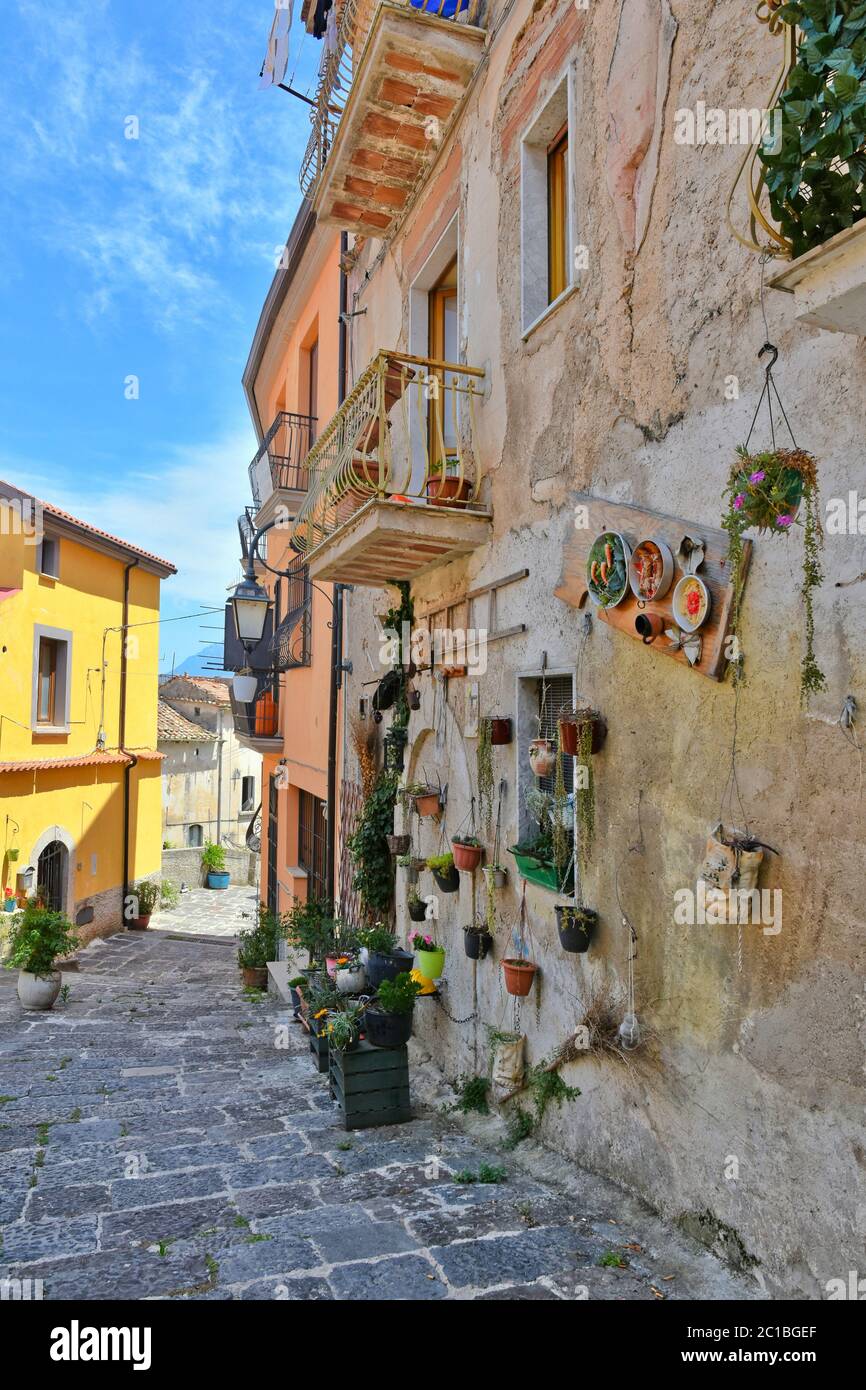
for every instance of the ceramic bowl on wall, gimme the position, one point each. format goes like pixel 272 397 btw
pixel 691 602
pixel 607 568
pixel 650 570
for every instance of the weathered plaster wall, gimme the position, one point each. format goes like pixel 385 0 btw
pixel 758 1053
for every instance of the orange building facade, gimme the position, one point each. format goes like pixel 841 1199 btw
pixel 292 385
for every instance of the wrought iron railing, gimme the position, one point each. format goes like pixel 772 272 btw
pixel 340 65
pixel 290 644
pixel 279 462
pixel 258 718
pixel 404 432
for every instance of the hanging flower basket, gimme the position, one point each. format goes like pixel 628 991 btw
pixel 542 756
pixel 769 490
pixel 476 942
pixel 575 926
pixel 398 844
pixel 496 876
pixel 467 853
pixel 417 908
pixel 519 975
pixel 570 731
pixel 444 871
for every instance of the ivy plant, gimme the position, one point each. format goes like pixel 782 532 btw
pixel 815 172
pixel 374 878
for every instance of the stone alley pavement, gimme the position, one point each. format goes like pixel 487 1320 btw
pixel 156 1142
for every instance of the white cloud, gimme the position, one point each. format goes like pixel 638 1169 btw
pixel 187 515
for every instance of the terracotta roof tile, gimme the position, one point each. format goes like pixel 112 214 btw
pixel 51 510
pixel 173 727
pixel 95 759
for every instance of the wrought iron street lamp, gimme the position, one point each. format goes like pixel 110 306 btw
pixel 250 603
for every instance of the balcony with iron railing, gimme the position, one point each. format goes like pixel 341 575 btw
pixel 392 479
pixel 277 472
pixel 256 722
pixel 389 92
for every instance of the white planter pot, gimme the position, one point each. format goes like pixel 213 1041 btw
pixel 350 981
pixel 38 991
pixel 244 688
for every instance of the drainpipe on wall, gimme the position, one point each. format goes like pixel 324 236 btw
pixel 220 746
pixel 336 616
pixel 121 737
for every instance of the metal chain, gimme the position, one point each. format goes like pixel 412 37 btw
pixel 468 1019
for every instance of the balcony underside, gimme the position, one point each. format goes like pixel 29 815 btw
pixel 413 75
pixel 385 541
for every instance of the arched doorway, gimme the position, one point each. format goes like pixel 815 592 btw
pixel 52 869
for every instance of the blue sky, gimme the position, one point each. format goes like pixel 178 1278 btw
pixel 147 257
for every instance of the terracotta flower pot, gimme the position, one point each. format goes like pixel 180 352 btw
pixel 519 975
pixel 449 492
pixel 500 731
pixel 428 804
pixel 255 977
pixel 466 857
pixel 139 923
pixel 569 735
pixel 542 756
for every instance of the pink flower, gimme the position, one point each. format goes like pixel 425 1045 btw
pixel 739 500
pixel 757 477
pixel 428 941
pixel 784 520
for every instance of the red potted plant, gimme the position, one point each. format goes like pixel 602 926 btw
pixel 519 974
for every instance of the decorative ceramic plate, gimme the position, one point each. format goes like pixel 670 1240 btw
pixel 651 570
pixel 691 602
pixel 607 569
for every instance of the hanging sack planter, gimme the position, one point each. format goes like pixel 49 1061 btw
pixel 508 1064
pixel 398 844
pixel 519 975
pixel 467 853
pixel 476 942
pixel 575 926
pixel 732 862
pixel 542 756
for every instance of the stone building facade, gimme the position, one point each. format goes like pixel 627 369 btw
pixel 633 384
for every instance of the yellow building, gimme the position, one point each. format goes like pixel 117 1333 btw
pixel 80 784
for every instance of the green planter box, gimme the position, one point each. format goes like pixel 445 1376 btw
pixel 319 1050
pixel 371 1086
pixel 542 872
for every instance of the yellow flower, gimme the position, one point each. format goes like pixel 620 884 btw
pixel 320 1013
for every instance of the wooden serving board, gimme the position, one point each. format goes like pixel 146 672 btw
pixel 636 524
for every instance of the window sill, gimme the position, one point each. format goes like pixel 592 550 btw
pixel 551 309
pixel 50 730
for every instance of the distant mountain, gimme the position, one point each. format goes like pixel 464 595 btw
pixel 207 662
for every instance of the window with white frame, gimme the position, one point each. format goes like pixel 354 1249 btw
pixel 49 557
pixel 547 240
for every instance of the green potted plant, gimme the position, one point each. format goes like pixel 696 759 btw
pixel 429 958
pixel 388 1020
pixel 467 851
pixel 12 854
pixel 146 894
pixel 350 976
pixel 309 926
pixel 36 941
pixel 343 1029
pixel 442 868
pixel 575 925
pixel 416 905
pixel 213 861
pixel 545 857
pixel 385 959
pixel 253 958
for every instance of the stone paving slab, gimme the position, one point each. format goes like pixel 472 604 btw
pixel 155 1142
